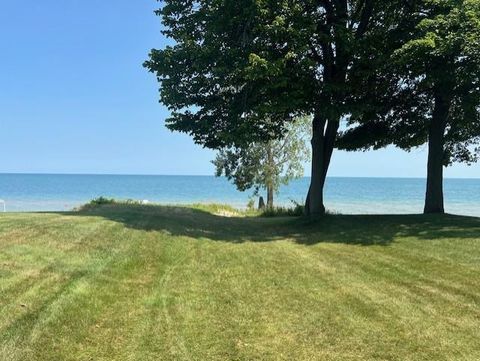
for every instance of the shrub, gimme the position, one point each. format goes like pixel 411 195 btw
pixel 101 201
pixel 97 202
pixel 296 211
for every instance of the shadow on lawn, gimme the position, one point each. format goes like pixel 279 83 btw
pixel 348 229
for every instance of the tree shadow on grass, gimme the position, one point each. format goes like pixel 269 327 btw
pixel 347 229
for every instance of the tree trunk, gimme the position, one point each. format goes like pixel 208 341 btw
pixel 436 138
pixel 270 175
pixel 323 143
pixel 269 196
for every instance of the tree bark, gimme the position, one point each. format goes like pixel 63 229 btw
pixel 434 202
pixel 323 143
pixel 269 196
pixel 270 176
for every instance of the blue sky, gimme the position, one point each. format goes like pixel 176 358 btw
pixel 74 97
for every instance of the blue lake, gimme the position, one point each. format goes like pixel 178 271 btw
pixel 35 192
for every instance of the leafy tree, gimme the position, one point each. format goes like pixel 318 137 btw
pixel 240 71
pixel 429 91
pixel 267 165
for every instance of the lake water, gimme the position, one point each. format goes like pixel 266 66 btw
pixel 32 192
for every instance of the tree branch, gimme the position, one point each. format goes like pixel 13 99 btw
pixel 365 18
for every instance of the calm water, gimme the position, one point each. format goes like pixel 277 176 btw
pixel 23 192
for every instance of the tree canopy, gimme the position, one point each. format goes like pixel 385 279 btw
pixel 242 70
pixel 402 72
pixel 427 91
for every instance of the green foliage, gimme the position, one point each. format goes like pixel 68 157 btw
pixel 437 61
pixel 297 210
pixel 267 165
pixel 101 201
pixel 104 201
pixel 203 74
pixel 240 71
pixel 97 202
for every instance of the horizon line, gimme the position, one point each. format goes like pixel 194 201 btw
pixel 206 175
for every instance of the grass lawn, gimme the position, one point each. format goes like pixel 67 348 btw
pixel 171 283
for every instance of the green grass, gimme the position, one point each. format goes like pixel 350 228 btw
pixel 137 282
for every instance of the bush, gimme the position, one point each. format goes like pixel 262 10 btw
pixel 97 202
pixel 100 201
pixel 296 211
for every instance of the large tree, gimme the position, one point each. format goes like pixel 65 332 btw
pixel 241 70
pixel 428 91
pixel 267 164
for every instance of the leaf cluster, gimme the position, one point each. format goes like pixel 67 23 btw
pixel 437 54
pixel 243 70
pixel 267 164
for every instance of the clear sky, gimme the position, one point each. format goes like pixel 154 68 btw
pixel 74 97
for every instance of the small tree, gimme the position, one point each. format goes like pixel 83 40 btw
pixel 267 165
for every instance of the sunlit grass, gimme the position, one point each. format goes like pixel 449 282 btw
pixel 132 282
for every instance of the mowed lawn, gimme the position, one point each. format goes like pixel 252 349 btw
pixel 172 283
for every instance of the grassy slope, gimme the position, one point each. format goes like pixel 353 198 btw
pixel 159 283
